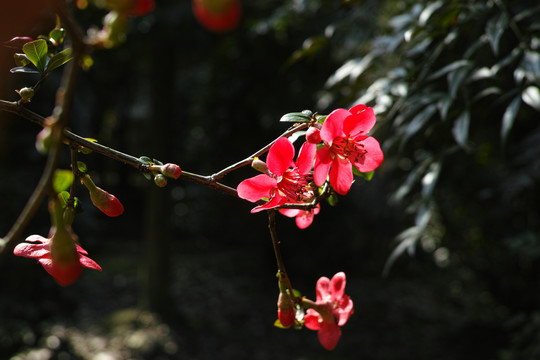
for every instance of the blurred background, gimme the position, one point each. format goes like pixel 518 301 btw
pixel 441 248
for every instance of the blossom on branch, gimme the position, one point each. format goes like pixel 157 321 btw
pixel 303 218
pixel 346 143
pixel 217 15
pixel 331 310
pixel 104 201
pixel 59 255
pixel 283 181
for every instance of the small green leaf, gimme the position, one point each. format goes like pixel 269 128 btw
pixel 531 97
pixel 366 176
pixel 461 128
pixel 494 30
pixel 146 159
pixel 25 70
pixel 509 116
pixel 63 196
pixel 62 179
pixel 82 167
pixel 21 59
pixel 296 117
pixel 332 200
pixel 56 36
pixel 37 53
pixel 59 59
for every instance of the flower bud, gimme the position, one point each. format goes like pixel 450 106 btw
pixel 313 135
pixel 259 165
pixel 160 180
pixel 104 201
pixel 286 310
pixel 171 170
pixel 26 94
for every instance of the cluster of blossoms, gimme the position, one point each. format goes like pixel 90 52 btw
pixel 326 315
pixel 329 153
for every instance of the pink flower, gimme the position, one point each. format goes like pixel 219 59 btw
pixel 104 201
pixel 346 144
pixel 284 180
pixel 304 218
pixel 331 311
pixel 59 255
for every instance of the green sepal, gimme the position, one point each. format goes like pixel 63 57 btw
pixel 37 53
pixel 62 179
pixel 296 117
pixel 278 324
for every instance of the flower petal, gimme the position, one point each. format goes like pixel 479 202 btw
pixel 31 250
pixel 337 286
pixel 373 157
pixel 333 125
pixel 360 122
pixel 341 175
pixel 329 335
pixel 89 263
pixel 322 289
pixel 280 156
pixel 344 311
pixel 305 218
pixel 275 201
pixel 312 320
pixel 323 161
pixel 306 157
pixel 256 188
pixel 289 212
pixel 39 238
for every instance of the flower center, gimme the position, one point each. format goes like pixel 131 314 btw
pixel 295 187
pixel 348 148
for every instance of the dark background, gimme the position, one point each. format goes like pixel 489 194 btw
pixel 189 273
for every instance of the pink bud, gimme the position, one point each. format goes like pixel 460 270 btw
pixel 313 135
pixel 160 180
pixel 104 201
pixel 286 311
pixel 171 170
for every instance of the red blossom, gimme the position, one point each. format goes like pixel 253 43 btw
pixel 59 255
pixel 303 218
pixel 217 15
pixel 344 134
pixel 331 311
pixel 284 181
pixel 142 7
pixel 171 170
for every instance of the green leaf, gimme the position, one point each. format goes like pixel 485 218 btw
pixel 59 59
pixel 509 116
pixel 21 59
pixel 146 159
pixel 531 97
pixel 366 176
pixel 62 179
pixel 37 53
pixel 296 117
pixel 494 29
pixel 332 200
pixel 63 196
pixel 56 35
pixel 25 70
pixel 82 167
pixel 461 128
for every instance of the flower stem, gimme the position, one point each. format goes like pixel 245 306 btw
pixel 277 252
